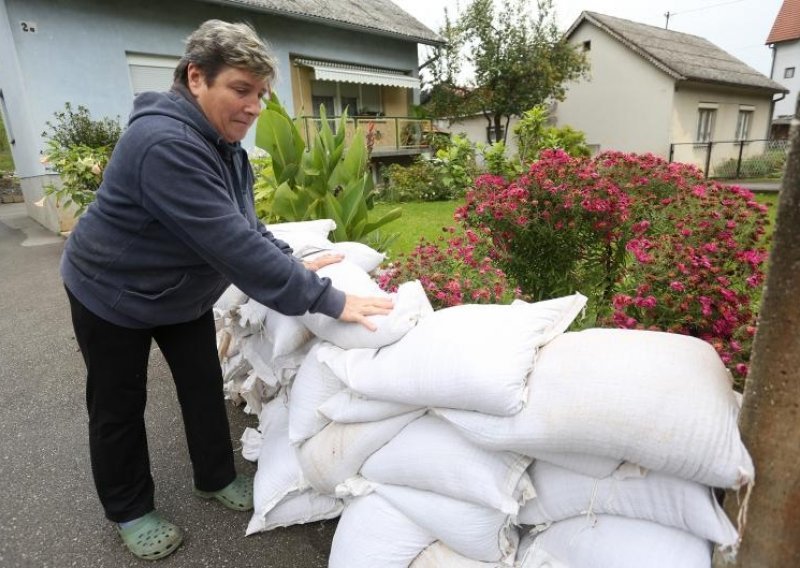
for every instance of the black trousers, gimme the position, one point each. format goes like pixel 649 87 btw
pixel 116 394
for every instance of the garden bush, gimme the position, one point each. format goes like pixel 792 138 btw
pixel 414 182
pixel 652 244
pixel 453 270
pixel 768 164
pixel 78 149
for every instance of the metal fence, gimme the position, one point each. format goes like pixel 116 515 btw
pixel 734 159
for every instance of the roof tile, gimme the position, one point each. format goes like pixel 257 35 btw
pixel 787 23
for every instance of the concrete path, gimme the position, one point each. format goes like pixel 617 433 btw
pixel 49 512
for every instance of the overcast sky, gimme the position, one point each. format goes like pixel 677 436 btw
pixel 740 27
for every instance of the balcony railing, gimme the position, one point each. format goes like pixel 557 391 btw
pixel 391 135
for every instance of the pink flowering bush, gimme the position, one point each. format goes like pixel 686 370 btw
pixel 652 244
pixel 453 271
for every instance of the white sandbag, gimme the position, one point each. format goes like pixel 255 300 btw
pixel 477 532
pixel 410 305
pixel 251 444
pixel 653 496
pixel 286 333
pixel 660 400
pixel 252 315
pixel 607 541
pixel 297 508
pixel 295 233
pixel 257 351
pixel 475 357
pixel 348 407
pixel 585 464
pixel 255 391
pixel 363 256
pixel 537 558
pixel 231 298
pixel 278 471
pixel 429 454
pixel 337 452
pixel 438 555
pixel 372 533
pixel 312 386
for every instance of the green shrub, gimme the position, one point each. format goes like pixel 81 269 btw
pixel 78 149
pixel 409 183
pixel 534 135
pixel 77 128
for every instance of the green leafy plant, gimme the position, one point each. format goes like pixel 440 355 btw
pixel 327 179
pixel 534 135
pixel 78 149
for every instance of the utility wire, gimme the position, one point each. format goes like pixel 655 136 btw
pixel 668 15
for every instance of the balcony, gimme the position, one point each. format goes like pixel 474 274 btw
pixel 392 135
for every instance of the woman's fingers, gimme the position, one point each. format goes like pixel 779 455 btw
pixel 357 308
pixel 323 260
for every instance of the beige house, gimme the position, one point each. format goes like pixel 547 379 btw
pixel 668 93
pixel 784 39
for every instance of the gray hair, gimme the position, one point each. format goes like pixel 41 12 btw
pixel 216 44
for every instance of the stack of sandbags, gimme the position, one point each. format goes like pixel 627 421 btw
pixel 405 471
pixel 262 351
pixel 659 401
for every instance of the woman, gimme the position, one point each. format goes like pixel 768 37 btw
pixel 173 225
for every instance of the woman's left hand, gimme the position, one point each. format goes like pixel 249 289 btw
pixel 323 260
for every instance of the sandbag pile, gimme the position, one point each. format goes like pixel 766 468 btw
pixel 444 436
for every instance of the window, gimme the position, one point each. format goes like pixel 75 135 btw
pixel 788 73
pixel 150 72
pixel 359 100
pixel 743 124
pixel 705 124
pixel 587 45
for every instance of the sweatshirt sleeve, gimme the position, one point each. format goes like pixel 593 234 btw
pixel 183 190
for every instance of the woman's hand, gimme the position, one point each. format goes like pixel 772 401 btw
pixel 357 308
pixel 323 260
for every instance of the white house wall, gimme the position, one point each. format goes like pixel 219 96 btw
pixel 625 103
pixel 689 98
pixel 78 54
pixel 787 54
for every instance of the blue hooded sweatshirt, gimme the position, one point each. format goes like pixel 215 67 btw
pixel 174 223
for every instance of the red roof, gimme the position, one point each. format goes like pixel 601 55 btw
pixel 787 23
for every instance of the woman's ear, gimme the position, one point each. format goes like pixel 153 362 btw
pixel 195 79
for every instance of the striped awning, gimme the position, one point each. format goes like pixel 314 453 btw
pixel 345 73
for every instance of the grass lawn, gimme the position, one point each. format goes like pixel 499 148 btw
pixel 420 219
pixel 770 199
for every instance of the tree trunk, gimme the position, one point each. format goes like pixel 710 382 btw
pixel 770 419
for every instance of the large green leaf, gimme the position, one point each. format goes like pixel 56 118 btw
pixel 290 205
pixel 392 215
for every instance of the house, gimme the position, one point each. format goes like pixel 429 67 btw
pixel 341 53
pixel 784 39
pixel 672 94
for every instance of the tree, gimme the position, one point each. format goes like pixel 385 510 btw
pixel 770 517
pixel 518 60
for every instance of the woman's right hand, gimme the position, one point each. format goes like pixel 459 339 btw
pixel 357 308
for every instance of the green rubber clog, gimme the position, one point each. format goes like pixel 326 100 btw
pixel 151 537
pixel 237 495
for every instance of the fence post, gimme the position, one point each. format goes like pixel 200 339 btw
pixel 671 152
pixel 739 162
pixel 708 160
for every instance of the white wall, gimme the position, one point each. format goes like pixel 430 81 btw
pixel 625 103
pixel 787 54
